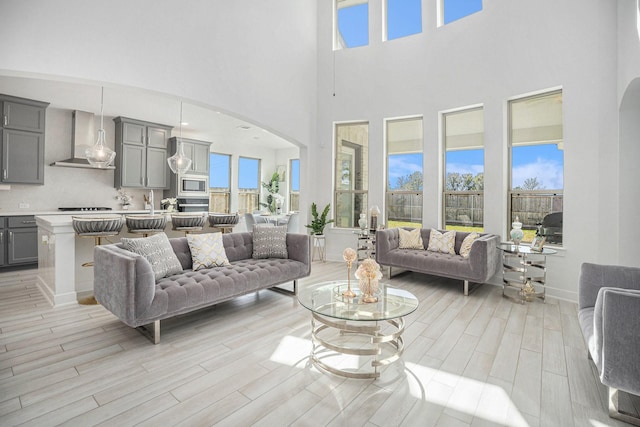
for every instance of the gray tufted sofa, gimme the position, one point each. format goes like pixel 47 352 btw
pixel 478 268
pixel 124 282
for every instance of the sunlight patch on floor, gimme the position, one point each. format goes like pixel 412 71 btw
pixel 291 350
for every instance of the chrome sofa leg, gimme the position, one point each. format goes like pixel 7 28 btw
pixel 286 291
pixel 614 411
pixel 151 331
pixel 466 288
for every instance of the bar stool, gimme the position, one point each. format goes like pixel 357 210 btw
pixel 224 222
pixel 97 227
pixel 146 224
pixel 187 222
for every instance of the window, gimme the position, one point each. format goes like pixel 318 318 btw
pixel 352 23
pixel 537 165
pixel 352 173
pixel 294 185
pixel 464 170
pixel 404 18
pixel 219 183
pixel 404 173
pixel 248 185
pixel 452 10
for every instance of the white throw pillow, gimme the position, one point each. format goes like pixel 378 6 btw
pixel 207 250
pixel 410 239
pixel 465 248
pixel 442 242
pixel 158 251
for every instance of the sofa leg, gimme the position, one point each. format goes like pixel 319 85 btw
pixel 151 331
pixel 286 291
pixel 614 411
pixel 466 288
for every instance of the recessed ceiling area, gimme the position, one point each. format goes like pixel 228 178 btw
pixel 203 122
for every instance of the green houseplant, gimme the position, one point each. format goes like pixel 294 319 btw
pixel 273 187
pixel 319 220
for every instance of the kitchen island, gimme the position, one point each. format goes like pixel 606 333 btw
pixel 62 253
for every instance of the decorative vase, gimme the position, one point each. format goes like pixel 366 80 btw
pixel 362 222
pixel 516 232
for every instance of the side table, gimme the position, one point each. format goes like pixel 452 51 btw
pixel 366 247
pixel 318 247
pixel 525 271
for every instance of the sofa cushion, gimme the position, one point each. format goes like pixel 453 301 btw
pixel 442 242
pixel 410 239
pixel 465 247
pixel 270 242
pixel 207 250
pixel 158 251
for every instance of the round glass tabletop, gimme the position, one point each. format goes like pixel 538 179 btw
pixel 326 299
pixel 511 248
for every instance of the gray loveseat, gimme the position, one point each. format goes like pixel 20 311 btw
pixel 124 282
pixel 478 268
pixel 609 316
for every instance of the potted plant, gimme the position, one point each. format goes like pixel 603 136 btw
pixel 319 221
pixel 273 198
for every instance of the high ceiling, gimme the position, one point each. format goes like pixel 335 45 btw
pixel 203 122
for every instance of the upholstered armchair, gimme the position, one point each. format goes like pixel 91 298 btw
pixel 609 315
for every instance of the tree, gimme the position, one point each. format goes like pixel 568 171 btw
pixel 464 182
pixel 411 182
pixel 530 184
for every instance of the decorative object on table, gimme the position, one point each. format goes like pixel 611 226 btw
pixel 538 243
pixel 282 172
pixel 368 275
pixel 124 198
pixel 99 155
pixel 179 163
pixel 272 187
pixel 374 212
pixel 516 232
pixel 169 204
pixel 319 220
pixel 362 222
pixel 349 255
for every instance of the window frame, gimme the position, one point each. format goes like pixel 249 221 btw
pixel 294 196
pixel 243 193
pixel 337 37
pixel 223 194
pixel 556 195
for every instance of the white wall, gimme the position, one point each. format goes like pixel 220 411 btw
pixel 252 58
pixel 507 50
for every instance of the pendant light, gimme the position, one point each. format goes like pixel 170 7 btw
pixel 99 155
pixel 179 163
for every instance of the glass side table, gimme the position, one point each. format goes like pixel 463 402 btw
pixel 524 272
pixel 366 244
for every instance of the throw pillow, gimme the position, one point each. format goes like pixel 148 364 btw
pixel 465 248
pixel 442 242
pixel 207 250
pixel 158 251
pixel 410 239
pixel 270 242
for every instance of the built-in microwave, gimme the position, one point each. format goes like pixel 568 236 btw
pixel 191 185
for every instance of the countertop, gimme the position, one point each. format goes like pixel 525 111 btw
pixel 57 212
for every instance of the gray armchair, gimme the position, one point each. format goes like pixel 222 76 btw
pixel 609 315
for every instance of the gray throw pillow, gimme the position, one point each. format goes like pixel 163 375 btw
pixel 158 251
pixel 270 242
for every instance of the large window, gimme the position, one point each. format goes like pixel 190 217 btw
pixel 294 185
pixel 248 185
pixel 452 10
pixel 404 18
pixel 537 165
pixel 352 173
pixel 404 172
pixel 219 182
pixel 463 203
pixel 352 23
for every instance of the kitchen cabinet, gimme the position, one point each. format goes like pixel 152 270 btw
pixel 197 151
pixel 22 130
pixel 141 154
pixel 18 241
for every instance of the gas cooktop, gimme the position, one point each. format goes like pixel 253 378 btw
pixel 85 208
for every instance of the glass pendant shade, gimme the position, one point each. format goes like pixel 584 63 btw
pixel 99 155
pixel 179 163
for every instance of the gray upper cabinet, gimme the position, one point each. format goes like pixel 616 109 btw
pixel 22 138
pixel 197 151
pixel 141 154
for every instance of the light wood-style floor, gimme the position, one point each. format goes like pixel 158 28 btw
pixel 478 360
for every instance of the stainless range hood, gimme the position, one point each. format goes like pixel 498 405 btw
pixel 83 135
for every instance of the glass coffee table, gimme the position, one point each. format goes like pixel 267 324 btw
pixel 346 326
